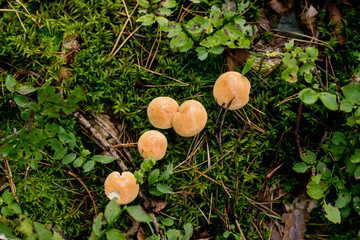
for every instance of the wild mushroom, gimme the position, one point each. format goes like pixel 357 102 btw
pixel 190 119
pixel 232 87
pixel 152 144
pixel 161 110
pixel 123 187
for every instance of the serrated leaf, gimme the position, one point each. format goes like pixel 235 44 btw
pixel 332 213
pixel 248 65
pixel 139 214
pixel 163 188
pixel 308 96
pixel 60 153
pixel 308 157
pixel 89 165
pixel 172 28
pixel 312 53
pixel 300 167
pixel 69 158
pixel 112 210
pixel 179 41
pixel 10 83
pixel 229 8
pixel 315 191
pixel 216 16
pixel 329 100
pixel 103 158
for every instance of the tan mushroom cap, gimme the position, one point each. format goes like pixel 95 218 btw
pixel 232 86
pixel 123 187
pixel 152 144
pixel 161 111
pixel 190 119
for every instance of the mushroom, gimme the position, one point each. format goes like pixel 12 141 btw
pixel 161 110
pixel 232 87
pixel 190 119
pixel 123 187
pixel 152 144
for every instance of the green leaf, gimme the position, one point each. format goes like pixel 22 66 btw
pixel 52 129
pixel 7 197
pixel 289 60
pixel 248 65
pixel 308 96
pixel 15 208
pixel 172 28
pixel 138 214
pixel 344 198
pixel 162 21
pixel 346 106
pixel 7 231
pixel 229 9
pixel 189 44
pixel 78 162
pixel 332 213
pixel 48 94
pixel 188 231
pixel 315 191
pixel 168 222
pixel 69 158
pixel 115 234
pixel 89 165
pixel 308 157
pixel 148 164
pixel 306 68
pixel 355 158
pixel 169 170
pixel 217 50
pixel 168 3
pixel 197 25
pixel 103 159
pixel 65 138
pixel 10 83
pixel 329 100
pixel 147 19
pixel 112 210
pixel 312 53
pixel 179 41
pixel 289 45
pixel 43 233
pixel 98 222
pixel 34 106
pixel 21 101
pixel 357 173
pixel 163 188
pixel 290 74
pixel 352 93
pixel 143 3
pixel 153 176
pixel 25 89
pixel 300 167
pixel 216 16
pixel 202 53
pixel 60 153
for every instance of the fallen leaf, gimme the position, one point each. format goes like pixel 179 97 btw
pixel 278 6
pixel 309 18
pixel 230 63
pixel 336 18
pixel 141 234
pixel 263 21
pixel 158 204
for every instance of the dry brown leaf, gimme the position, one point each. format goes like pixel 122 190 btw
pixel 69 48
pixel 158 204
pixel 336 17
pixel 309 18
pixel 141 234
pixel 278 6
pixel 263 21
pixel 230 63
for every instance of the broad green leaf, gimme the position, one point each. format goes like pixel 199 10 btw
pixel 189 44
pixel 172 28
pixel 7 197
pixel 112 210
pixel 179 41
pixel 346 106
pixel 188 231
pixel 113 234
pixel 48 94
pixel 300 167
pixel 289 45
pixel 290 74
pixel 60 153
pixel 308 157
pixel 43 233
pixel 143 3
pixel 147 19
pixel 148 164
pixel 216 16
pixel 232 32
pixel 315 191
pixel 355 158
pixel 103 158
pixel 138 214
pixel 10 83
pixel 352 93
pixel 197 25
pixel 26 227
pixel 69 158
pixel 289 60
pixel 357 173
pixel 15 208
pixel 78 162
pixel 99 221
pixel 153 176
pixel 163 188
pixel 6 231
pixel 65 138
pixel 229 8
pixel 89 165
pixel 168 3
pixel 34 106
pixel 25 89
pixel 202 53
pixel 168 222
pixel 308 96
pixel 162 21
pixel 312 53
pixel 332 213
pixel 248 65
pixel 344 198
pixel 323 170
pixel 52 129
pixel 217 50
pixel 329 100
pixel 306 68
pixel 169 170
pixel 21 101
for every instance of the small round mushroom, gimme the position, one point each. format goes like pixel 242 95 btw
pixel 232 87
pixel 161 111
pixel 123 187
pixel 152 144
pixel 190 119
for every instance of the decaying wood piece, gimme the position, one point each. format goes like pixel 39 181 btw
pixel 107 134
